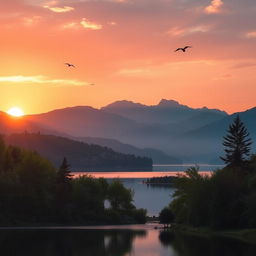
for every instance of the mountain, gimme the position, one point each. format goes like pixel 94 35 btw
pixel 168 131
pixel 70 122
pixel 9 124
pixel 158 156
pixel 81 156
pixel 166 112
pixel 160 127
pixel 208 138
pixel 90 122
pixel 132 123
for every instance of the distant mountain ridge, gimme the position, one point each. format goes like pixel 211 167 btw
pixel 157 156
pixel 166 111
pixel 178 131
pixel 82 156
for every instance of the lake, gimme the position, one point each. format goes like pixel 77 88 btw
pixel 152 198
pixel 139 240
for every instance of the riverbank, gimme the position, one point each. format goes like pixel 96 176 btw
pixel 244 235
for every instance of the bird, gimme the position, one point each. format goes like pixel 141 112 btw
pixel 69 65
pixel 183 49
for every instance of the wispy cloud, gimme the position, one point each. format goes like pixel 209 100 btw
pixel 214 7
pixel 59 9
pixel 42 80
pixel 90 25
pixel 134 72
pixel 176 31
pixel 251 34
pixel 31 21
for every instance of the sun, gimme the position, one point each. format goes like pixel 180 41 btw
pixel 15 111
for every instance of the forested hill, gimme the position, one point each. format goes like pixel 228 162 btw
pixel 81 156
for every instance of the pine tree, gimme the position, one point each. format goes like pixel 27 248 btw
pixel 64 174
pixel 237 143
pixel 63 191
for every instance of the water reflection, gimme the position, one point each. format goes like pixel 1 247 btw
pixel 116 242
pixel 186 245
pixel 68 242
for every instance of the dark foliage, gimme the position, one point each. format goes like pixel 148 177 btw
pixel 166 216
pixel 33 192
pixel 237 143
pixel 224 200
pixel 227 198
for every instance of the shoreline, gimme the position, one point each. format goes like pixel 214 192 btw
pixel 148 225
pixel 243 235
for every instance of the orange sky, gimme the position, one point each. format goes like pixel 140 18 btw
pixel 125 47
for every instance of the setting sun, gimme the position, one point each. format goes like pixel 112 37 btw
pixel 15 111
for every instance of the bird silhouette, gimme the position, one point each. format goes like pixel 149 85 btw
pixel 183 49
pixel 70 65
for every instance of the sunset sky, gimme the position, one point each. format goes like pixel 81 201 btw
pixel 126 49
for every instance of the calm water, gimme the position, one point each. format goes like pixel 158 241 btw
pixel 152 198
pixel 112 241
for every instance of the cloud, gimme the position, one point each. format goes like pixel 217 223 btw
pixel 59 9
pixel 251 34
pixel 86 24
pixel 31 21
pixel 41 80
pixel 90 25
pixel 134 72
pixel 71 25
pixel 214 7
pixel 190 30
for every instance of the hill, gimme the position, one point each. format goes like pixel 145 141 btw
pixel 158 156
pixel 80 155
pixel 159 131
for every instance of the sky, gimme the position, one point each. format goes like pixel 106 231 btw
pixel 124 49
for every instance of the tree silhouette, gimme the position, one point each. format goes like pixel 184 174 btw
pixel 166 216
pixel 64 174
pixel 63 190
pixel 237 143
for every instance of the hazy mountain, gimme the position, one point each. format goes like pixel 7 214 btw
pixel 9 124
pixel 206 141
pixel 64 123
pixel 166 112
pixel 81 156
pixel 171 129
pixel 157 156
pixel 91 122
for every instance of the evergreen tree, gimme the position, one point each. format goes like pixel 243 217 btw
pixel 64 174
pixel 237 143
pixel 63 191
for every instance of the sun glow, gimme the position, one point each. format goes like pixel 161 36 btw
pixel 15 111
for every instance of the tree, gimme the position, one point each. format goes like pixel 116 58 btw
pixel 64 174
pixel 120 198
pixel 63 191
pixel 237 143
pixel 166 216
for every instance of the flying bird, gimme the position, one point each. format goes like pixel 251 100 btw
pixel 183 49
pixel 70 65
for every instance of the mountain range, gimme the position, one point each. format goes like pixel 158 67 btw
pixel 167 132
